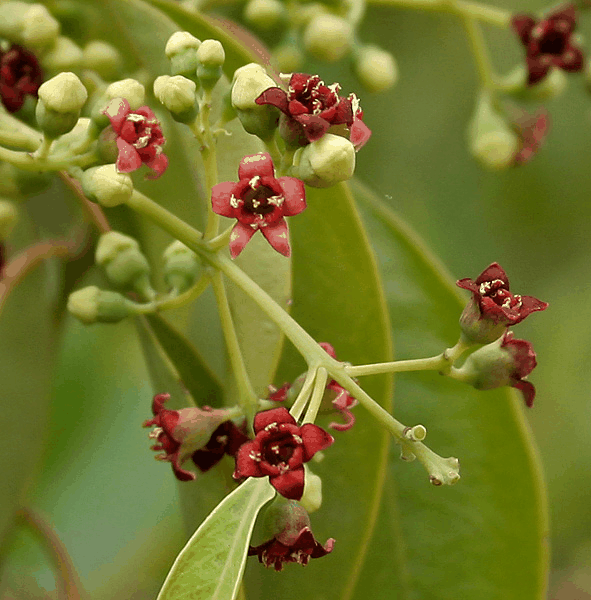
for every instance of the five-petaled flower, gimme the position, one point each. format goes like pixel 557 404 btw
pixel 293 540
pixel 202 434
pixel 20 75
pixel 279 450
pixel 259 201
pixel 309 108
pixel 493 307
pixel 548 42
pixel 139 138
pixel 524 361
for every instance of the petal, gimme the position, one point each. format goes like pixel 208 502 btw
pixel 206 459
pixel 180 473
pixel 314 126
pixel 128 159
pixel 537 69
pixel 568 14
pixel 467 284
pixel 147 112
pixel 276 415
pixel 571 59
pixel 527 389
pixel 220 198
pixel 117 111
pixel 239 237
pixel 328 348
pixel 256 164
pixel 315 439
pixel 493 272
pixel 529 304
pixel 158 165
pixel 275 97
pixel 349 421
pixel 522 26
pixel 289 484
pixel 277 235
pixel 360 133
pixel 246 466
pixel 343 112
pixel 294 192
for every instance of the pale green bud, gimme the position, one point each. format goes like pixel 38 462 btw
pixel 552 86
pixel 312 496
pixel 130 89
pixel 181 267
pixel 210 58
pixel 328 37
pixel 492 141
pixel 64 55
pixel 106 185
pixel 40 27
pixel 326 162
pixel 289 58
pixel 102 58
pixel 60 101
pixel 8 218
pixel 177 94
pixel 375 68
pixel 249 82
pixel 93 305
pixel 264 14
pixel 122 260
pixel 181 49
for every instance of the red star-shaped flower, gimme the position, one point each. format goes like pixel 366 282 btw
pixel 139 138
pixel 310 108
pixel 548 42
pixel 260 202
pixel 524 361
pixel 20 75
pixel 202 434
pixel 279 451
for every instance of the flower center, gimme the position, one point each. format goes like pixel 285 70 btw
pixel 553 42
pixel 280 449
pixel 501 296
pixel 260 200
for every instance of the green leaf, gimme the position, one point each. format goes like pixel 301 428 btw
pixel 210 566
pixel 337 297
pixel 485 537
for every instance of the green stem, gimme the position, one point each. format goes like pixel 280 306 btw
pixel 300 402
pixel 222 240
pixel 247 397
pixel 186 297
pixel 435 363
pixel 43 151
pixel 317 395
pixel 28 162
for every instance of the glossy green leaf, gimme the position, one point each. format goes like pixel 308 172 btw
pixel 485 537
pixel 210 566
pixel 337 297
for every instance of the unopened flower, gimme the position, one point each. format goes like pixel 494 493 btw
pixel 201 434
pixel 259 201
pixel 549 42
pixel 310 108
pixel 292 539
pixel 139 138
pixel 20 75
pixel 280 450
pixel 493 307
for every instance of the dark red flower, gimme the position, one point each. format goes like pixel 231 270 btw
pixel 340 397
pixel 139 138
pixel 310 108
pixel 202 434
pixel 493 307
pixel 20 75
pixel 259 201
pixel 532 130
pixel 279 450
pixel 548 42
pixel 524 361
pixel 279 394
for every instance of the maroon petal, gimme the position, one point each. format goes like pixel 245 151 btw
pixel 289 484
pixel 522 25
pixel 360 133
pixel 328 349
pixel 314 127
pixel 180 473
pixel 568 13
pixel 294 193
pixel 239 237
pixel 275 97
pixel 221 195
pixel 158 165
pixel 246 466
pixel 117 110
pixel 571 59
pixel 529 304
pixel 537 69
pixel 256 165
pixel 527 389
pixel 315 439
pixel 128 159
pixel 467 284
pixel 206 459
pixel 276 415
pixel 349 421
pixel 277 235
pixel 147 112
pixel 493 272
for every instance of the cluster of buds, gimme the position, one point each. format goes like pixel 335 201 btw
pixel 485 320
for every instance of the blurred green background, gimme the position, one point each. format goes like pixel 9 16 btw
pixel 535 220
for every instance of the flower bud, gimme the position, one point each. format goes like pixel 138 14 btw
pixel 181 267
pixel 8 218
pixel 12 15
pixel 177 94
pixel 328 37
pixel 107 186
pixel 60 101
pixel 312 497
pixel 326 162
pixel 375 68
pixel 101 57
pixel 263 14
pixel 93 305
pixel 210 59
pixel 40 27
pixel 289 57
pixel 248 84
pixel 64 55
pixel 492 141
pixel 181 51
pixel 130 89
pixel 123 262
